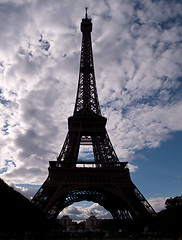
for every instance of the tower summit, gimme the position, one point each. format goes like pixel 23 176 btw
pixel 104 180
pixel 87 99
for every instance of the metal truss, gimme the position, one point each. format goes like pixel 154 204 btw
pixel 145 203
pixel 87 99
pixel 102 147
pixel 121 214
pixel 74 196
pixel 109 183
pixel 89 195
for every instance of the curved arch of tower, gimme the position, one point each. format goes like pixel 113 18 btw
pixel 104 180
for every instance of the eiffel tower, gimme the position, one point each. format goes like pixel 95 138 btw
pixel 104 180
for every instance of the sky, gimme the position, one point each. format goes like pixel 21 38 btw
pixel 137 47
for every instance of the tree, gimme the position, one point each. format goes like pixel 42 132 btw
pixel 172 202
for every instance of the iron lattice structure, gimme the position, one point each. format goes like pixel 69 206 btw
pixel 104 180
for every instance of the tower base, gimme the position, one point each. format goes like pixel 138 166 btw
pixel 109 186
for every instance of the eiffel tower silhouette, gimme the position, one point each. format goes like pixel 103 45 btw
pixel 104 180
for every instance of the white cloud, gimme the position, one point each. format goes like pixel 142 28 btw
pixel 158 203
pixel 137 53
pixel 79 213
pixel 28 191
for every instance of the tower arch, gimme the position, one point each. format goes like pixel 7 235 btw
pixel 94 195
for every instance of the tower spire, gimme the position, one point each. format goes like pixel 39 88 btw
pixel 86 17
pixel 87 99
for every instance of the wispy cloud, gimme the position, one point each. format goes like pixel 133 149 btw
pixel 137 53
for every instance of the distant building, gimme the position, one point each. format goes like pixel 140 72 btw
pixel 66 223
pixel 92 223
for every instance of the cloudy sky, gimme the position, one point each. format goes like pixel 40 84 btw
pixel 137 47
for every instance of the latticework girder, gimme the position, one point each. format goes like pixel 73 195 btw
pixel 87 99
pixel 108 181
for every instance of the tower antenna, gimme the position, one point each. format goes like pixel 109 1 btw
pixel 86 13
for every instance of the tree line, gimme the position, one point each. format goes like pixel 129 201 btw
pixel 166 223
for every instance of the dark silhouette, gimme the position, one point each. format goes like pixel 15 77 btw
pixel 18 215
pixel 105 179
pixel 165 224
pixel 172 202
pixel 169 221
pixel 20 219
